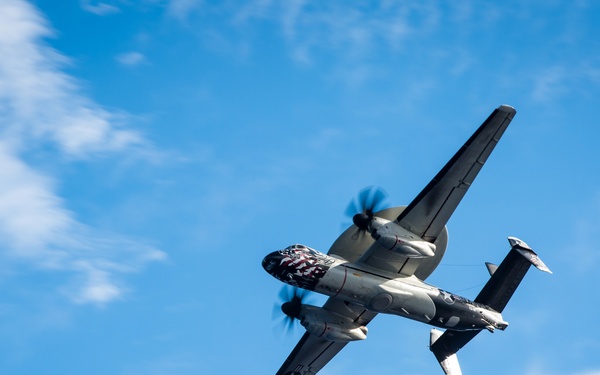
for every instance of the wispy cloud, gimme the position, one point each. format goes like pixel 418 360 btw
pixel 549 84
pixel 180 9
pixel 352 30
pixel 42 106
pixel 131 58
pixel 99 8
pixel 554 82
pixel 40 102
pixel 348 35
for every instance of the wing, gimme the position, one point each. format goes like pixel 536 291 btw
pixel 429 212
pixel 312 353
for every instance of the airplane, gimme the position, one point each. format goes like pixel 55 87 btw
pixel 380 264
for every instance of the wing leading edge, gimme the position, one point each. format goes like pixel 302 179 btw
pixel 429 212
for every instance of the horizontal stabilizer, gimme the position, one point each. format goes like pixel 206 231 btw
pixel 491 267
pixel 507 277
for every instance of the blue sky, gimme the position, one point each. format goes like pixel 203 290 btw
pixel 152 152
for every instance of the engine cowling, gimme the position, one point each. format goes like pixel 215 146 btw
pixel 331 326
pixel 411 249
pixel 393 237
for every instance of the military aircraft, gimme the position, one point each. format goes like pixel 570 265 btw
pixel 379 264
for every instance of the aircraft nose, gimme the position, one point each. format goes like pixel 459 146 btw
pixel 271 261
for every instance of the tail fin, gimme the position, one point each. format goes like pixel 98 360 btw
pixel 496 293
pixel 448 361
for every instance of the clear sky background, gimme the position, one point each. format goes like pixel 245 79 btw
pixel 152 152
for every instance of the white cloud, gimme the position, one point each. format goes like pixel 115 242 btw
pixel 40 105
pixel 99 9
pixel 131 58
pixel 30 214
pixel 39 101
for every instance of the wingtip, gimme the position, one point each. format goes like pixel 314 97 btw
pixel 528 253
pixel 507 108
pixel 515 242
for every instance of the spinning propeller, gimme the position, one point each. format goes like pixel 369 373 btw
pixel 369 200
pixel 292 304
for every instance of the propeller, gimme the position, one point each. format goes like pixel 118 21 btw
pixel 369 200
pixel 292 305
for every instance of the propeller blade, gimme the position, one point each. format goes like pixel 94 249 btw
pixel 284 294
pixel 289 324
pixel 368 201
pixel 276 312
pixel 363 199
pixel 378 198
pixel 352 209
pixel 292 299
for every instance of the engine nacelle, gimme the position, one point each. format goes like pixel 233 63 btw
pixel 411 249
pixel 397 239
pixel 331 326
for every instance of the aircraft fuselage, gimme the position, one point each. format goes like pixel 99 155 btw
pixel 409 297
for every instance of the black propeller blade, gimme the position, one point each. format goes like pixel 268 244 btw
pixel 292 304
pixel 369 200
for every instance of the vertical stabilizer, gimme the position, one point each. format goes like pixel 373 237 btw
pixel 449 363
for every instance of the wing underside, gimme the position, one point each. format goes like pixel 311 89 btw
pixel 312 353
pixel 427 215
pixel 429 212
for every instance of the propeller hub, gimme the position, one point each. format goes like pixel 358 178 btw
pixel 362 220
pixel 292 309
pixel 369 201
